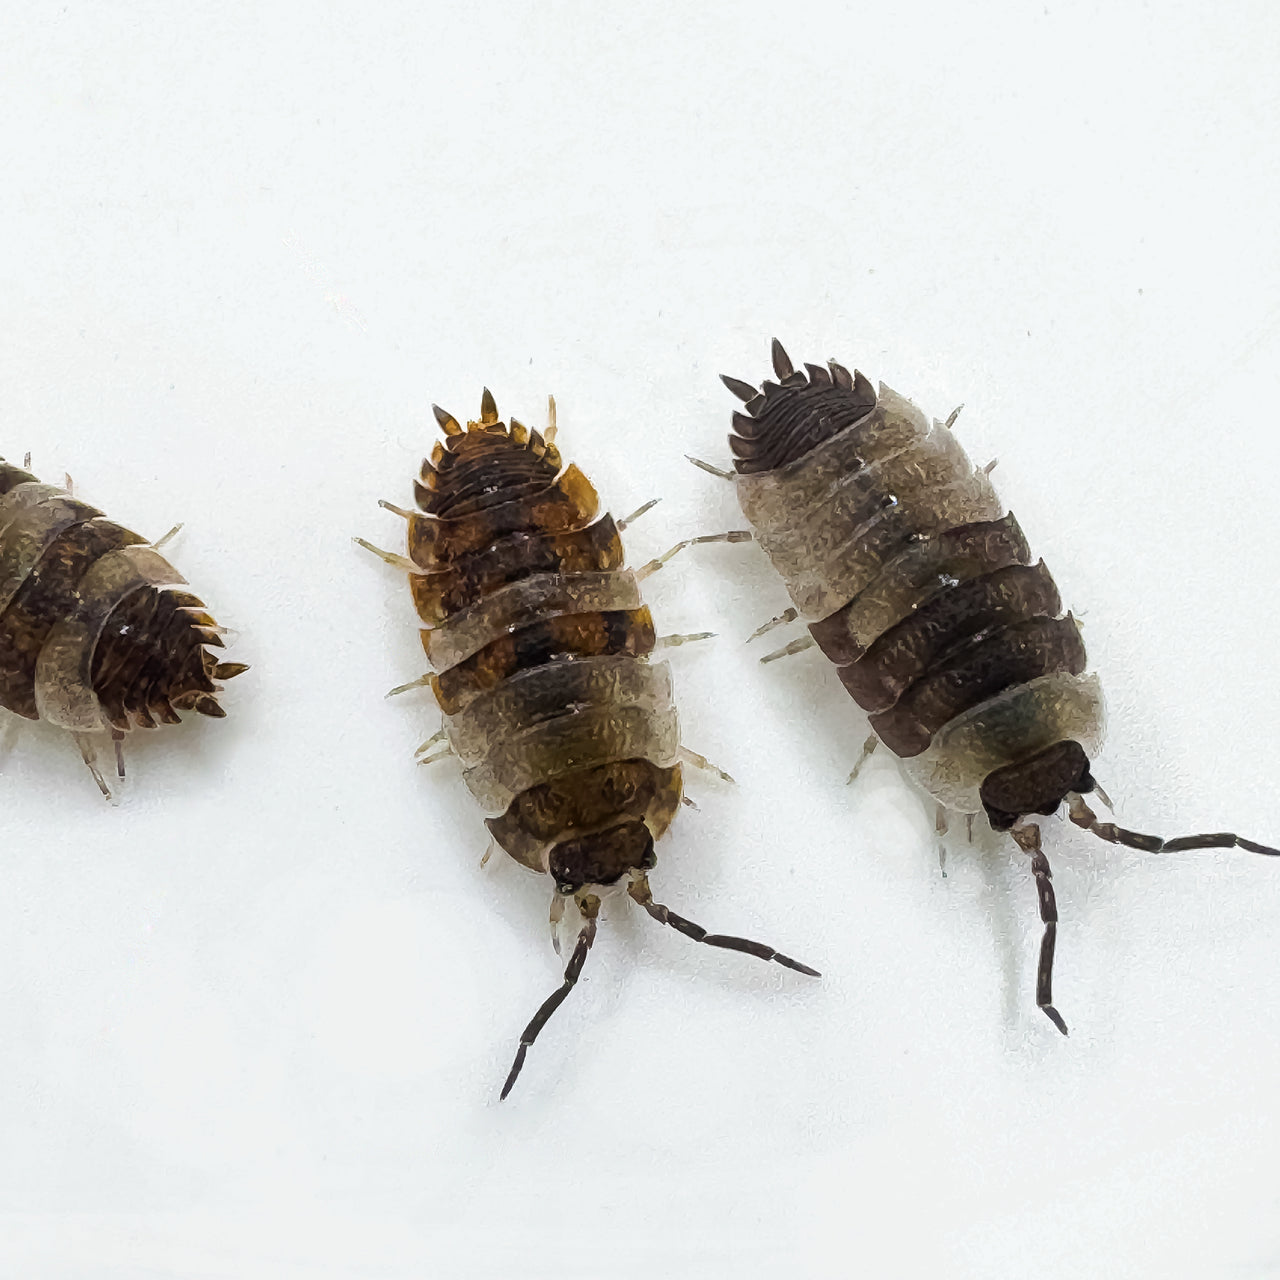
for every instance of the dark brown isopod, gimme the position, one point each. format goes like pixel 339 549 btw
pixel 920 587
pixel 540 646
pixel 97 633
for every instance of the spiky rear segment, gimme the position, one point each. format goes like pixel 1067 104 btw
pixel 485 466
pixel 154 658
pixel 789 418
pixel 497 506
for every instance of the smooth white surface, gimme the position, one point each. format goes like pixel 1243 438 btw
pixel 256 1017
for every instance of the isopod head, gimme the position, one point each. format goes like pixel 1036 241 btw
pixel 1038 784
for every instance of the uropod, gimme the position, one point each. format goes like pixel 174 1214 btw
pixel 97 632
pixel 540 647
pixel 918 584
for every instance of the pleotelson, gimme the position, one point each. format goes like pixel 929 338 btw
pixel 914 580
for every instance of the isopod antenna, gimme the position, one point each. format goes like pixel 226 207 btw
pixel 639 890
pixel 589 905
pixel 1085 817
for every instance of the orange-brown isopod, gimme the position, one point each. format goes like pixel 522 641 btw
pixel 540 646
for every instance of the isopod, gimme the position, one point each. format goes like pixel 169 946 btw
pixel 920 587
pixel 97 634
pixel 539 644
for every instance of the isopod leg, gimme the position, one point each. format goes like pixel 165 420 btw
pixel 637 513
pixel 89 754
pixel 168 537
pixel 1028 837
pixel 733 535
pixel 706 466
pixel 940 827
pixel 1083 816
pixel 436 738
pixel 701 762
pixel 672 642
pixel 419 683
pixel 590 907
pixel 867 748
pixel 389 557
pixel 640 891
pixel 798 645
pixel 788 615
pixel 117 739
pixel 553 920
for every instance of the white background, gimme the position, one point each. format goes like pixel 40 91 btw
pixel 255 1018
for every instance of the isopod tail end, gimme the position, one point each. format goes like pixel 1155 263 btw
pixel 448 423
pixel 743 390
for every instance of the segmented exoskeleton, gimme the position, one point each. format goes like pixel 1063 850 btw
pixel 540 645
pixel 96 633
pixel 921 589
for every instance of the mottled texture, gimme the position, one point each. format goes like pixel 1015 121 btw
pixel 470 577
pixel 921 589
pixel 912 577
pixel 96 629
pixel 540 645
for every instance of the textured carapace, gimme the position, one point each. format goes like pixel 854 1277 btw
pixel 540 647
pixel 97 634
pixel 921 589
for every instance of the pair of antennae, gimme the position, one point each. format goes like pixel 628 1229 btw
pixel 589 905
pixel 1027 835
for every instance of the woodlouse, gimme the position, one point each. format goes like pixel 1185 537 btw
pixel 920 587
pixel 96 633
pixel 540 644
